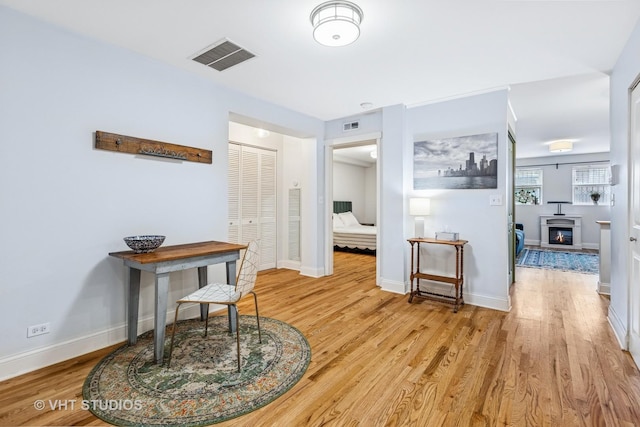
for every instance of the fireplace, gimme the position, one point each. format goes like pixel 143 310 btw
pixel 561 236
pixel 561 231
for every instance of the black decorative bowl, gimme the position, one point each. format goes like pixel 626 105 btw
pixel 142 244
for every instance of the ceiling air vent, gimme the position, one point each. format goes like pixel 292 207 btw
pixel 350 126
pixel 223 55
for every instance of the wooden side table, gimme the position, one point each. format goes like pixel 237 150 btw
pixel 457 281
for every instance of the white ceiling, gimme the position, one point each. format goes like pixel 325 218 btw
pixel 554 54
pixel 359 155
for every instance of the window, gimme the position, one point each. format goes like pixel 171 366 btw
pixel 528 183
pixel 591 185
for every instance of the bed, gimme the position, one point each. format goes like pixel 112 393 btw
pixel 348 233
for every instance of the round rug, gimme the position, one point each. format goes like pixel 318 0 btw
pixel 203 385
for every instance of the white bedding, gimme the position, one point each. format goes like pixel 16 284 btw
pixel 348 233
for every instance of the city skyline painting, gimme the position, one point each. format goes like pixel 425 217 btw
pixel 463 162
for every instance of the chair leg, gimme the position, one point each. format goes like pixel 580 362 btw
pixel 173 334
pixel 238 338
pixel 255 300
pixel 206 322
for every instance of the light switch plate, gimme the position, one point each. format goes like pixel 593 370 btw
pixel 495 200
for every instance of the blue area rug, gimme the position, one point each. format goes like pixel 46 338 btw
pixel 555 260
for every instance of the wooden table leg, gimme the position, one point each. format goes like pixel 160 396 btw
pixel 411 276
pixel 462 275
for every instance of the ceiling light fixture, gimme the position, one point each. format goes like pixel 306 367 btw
pixel 336 23
pixel 561 146
pixel 374 154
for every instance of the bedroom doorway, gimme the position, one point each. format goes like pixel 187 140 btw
pixel 353 182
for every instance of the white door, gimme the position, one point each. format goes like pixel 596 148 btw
pixel 253 200
pixel 249 194
pixel 268 205
pixel 634 228
pixel 234 193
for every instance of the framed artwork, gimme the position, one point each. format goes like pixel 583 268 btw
pixel 462 162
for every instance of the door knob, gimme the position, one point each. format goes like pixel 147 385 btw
pixel 632 239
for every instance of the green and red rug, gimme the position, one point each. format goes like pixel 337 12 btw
pixel 202 386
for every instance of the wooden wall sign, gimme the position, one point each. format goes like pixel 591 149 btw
pixel 148 147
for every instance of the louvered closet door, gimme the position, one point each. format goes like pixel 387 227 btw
pixel 249 202
pixel 267 197
pixel 252 200
pixel 234 193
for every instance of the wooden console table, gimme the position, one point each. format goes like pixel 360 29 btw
pixel 163 261
pixel 457 281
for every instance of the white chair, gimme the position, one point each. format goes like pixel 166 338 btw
pixel 225 294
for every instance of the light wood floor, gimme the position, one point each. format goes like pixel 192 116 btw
pixel 377 360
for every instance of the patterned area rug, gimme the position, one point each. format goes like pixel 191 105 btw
pixel 555 260
pixel 202 386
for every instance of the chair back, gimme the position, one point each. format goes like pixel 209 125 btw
pixel 248 272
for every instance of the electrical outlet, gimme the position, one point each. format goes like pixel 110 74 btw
pixel 41 329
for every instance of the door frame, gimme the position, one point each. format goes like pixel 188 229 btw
pixel 511 202
pixel 633 251
pixel 345 142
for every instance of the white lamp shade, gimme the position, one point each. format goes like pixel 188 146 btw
pixel 336 23
pixel 419 206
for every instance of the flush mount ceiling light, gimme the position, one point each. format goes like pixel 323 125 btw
pixel 561 146
pixel 336 23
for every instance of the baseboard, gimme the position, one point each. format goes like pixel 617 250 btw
pixel 289 265
pixel 393 286
pixel 604 288
pixel 469 298
pixel 312 272
pixel 595 246
pixel 32 360
pixel 488 302
pixel 618 327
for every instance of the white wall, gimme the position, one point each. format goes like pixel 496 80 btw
pixel 370 195
pixel 468 211
pixel 623 75
pixel 66 205
pixel 358 185
pixel 557 186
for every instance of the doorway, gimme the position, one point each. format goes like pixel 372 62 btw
pixel 355 156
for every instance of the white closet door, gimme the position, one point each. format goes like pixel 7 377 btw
pixel 252 200
pixel 234 193
pixel 249 202
pixel 268 206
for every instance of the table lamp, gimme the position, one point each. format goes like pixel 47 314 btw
pixel 419 207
